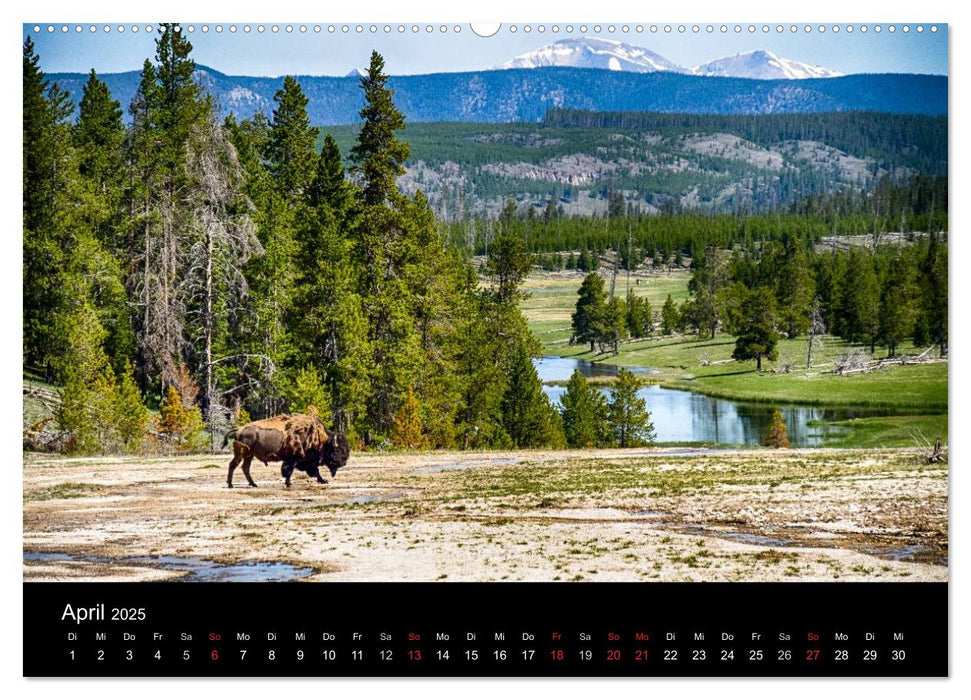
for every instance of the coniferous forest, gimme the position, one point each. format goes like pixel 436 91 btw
pixel 184 272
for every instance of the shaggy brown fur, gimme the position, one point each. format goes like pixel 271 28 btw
pixel 297 440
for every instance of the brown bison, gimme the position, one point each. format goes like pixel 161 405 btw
pixel 299 441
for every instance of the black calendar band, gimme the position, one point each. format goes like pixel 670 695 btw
pixel 485 629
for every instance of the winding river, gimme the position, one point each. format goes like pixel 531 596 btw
pixel 683 416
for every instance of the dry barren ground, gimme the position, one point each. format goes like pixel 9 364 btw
pixel 608 515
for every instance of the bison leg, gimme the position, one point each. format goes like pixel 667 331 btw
pixel 315 472
pixel 286 471
pixel 246 463
pixel 239 449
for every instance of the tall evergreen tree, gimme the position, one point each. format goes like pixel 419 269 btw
pixel 584 413
pixel 99 136
pixel 44 245
pixel 934 284
pixel 508 264
pixel 387 245
pixel 589 318
pixel 629 418
pixel 898 304
pixel 757 336
pixel 670 317
pixel 378 155
pixel 527 415
pixel 480 368
pixel 711 273
pixel 290 149
pixel 615 324
pixel 795 291
pixel 169 112
pixel 640 316
pixel 861 300
pixel 329 324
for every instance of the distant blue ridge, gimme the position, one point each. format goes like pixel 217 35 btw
pixel 513 95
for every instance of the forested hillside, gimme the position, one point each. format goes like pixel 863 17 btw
pixel 525 94
pixel 220 269
pixel 667 162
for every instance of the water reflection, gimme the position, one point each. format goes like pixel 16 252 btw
pixel 681 416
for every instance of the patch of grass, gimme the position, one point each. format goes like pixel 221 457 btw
pixel 705 365
pixel 888 431
pixel 611 478
pixel 69 489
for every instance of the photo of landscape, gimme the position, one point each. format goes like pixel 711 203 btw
pixel 317 304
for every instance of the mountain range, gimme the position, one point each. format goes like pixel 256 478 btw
pixel 606 54
pixel 525 94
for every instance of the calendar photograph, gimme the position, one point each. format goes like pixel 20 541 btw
pixel 411 303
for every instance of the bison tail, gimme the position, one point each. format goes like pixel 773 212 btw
pixel 231 433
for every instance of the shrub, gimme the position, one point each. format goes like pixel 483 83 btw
pixel 777 431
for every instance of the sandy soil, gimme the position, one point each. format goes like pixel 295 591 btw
pixel 606 515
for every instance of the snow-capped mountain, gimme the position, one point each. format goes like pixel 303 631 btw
pixel 355 73
pixel 763 65
pixel 588 52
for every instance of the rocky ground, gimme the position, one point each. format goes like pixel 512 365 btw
pixel 596 515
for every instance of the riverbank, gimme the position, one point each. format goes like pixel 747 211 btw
pixel 581 515
pixel 705 366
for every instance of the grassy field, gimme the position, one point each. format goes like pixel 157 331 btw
pixel 705 365
pixel 581 515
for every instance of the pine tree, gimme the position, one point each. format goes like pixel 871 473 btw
pixel 898 307
pixel 861 294
pixel 527 415
pixel 99 136
pixel 329 325
pixel 133 418
pixel 776 436
pixel 378 155
pixel 305 390
pixel 933 272
pixel 670 317
pixel 795 291
pixel 629 418
pixel 290 149
pixel 408 431
pixel 710 274
pixel 264 338
pixel 508 264
pixel 757 337
pixel 615 324
pixel 182 426
pixel 329 185
pixel 385 250
pixel 584 413
pixel 583 262
pixel 38 132
pixel 172 415
pixel 169 113
pixel 74 416
pixel 589 318
pixel 45 136
pixel 480 365
pixel 640 316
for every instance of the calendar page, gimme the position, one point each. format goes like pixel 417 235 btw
pixel 545 349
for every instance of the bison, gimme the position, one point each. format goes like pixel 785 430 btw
pixel 299 441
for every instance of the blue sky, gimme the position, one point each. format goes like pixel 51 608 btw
pixel 337 53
